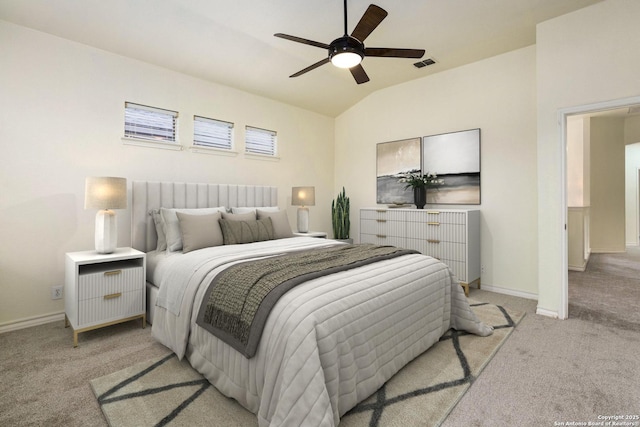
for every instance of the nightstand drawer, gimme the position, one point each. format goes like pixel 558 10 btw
pixel 110 278
pixel 110 307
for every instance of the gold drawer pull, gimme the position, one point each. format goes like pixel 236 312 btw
pixel 381 220
pixel 112 273
pixel 433 223
pixel 382 236
pixel 381 210
pixel 433 241
pixel 433 212
pixel 112 296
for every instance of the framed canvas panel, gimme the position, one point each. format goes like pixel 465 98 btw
pixel 454 157
pixel 392 159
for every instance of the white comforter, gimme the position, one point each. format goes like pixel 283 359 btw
pixel 328 343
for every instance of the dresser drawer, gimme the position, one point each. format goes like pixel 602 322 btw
pixel 434 216
pixel 110 307
pixel 108 279
pixel 382 227
pixel 437 231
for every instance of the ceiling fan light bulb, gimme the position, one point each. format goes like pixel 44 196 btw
pixel 346 59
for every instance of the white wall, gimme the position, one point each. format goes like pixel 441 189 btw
pixel 584 57
pixel 61 120
pixel 496 95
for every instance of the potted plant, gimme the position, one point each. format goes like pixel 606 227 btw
pixel 419 183
pixel 340 217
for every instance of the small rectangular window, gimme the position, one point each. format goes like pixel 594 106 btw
pixel 211 133
pixel 260 141
pixel 155 124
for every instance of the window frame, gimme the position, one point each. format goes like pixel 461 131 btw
pixel 153 140
pixel 257 152
pixel 212 149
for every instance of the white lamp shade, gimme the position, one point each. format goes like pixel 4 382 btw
pixel 303 196
pixel 105 193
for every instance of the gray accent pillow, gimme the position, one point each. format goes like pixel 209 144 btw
pixel 200 231
pixel 236 232
pixel 280 221
pixel 172 227
pixel 247 216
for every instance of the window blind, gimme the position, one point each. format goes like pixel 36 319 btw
pixel 212 133
pixel 151 123
pixel 260 141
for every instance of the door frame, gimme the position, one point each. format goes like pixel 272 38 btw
pixel 563 311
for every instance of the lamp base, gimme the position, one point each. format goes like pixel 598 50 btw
pixel 303 219
pixel 106 231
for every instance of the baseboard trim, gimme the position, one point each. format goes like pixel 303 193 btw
pixel 548 313
pixel 507 291
pixel 28 322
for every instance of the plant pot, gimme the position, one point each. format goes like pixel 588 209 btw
pixel 420 197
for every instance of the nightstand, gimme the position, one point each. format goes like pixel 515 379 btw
pixel 103 289
pixel 318 234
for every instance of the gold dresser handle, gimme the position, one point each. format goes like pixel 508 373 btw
pixel 433 212
pixel 112 296
pixel 382 236
pixel 433 241
pixel 381 220
pixel 433 223
pixel 112 273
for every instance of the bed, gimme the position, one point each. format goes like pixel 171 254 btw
pixel 327 344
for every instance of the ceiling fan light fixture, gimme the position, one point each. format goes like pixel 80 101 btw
pixel 346 52
pixel 346 59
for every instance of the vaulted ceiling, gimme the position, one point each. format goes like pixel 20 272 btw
pixel 232 42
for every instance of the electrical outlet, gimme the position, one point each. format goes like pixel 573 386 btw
pixel 56 292
pixel 482 269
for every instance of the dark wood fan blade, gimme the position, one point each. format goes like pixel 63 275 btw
pixel 369 21
pixel 310 67
pixel 301 40
pixel 359 74
pixel 393 53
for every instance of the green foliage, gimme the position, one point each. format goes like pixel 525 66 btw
pixel 340 216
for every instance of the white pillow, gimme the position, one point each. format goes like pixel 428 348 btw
pixel 242 210
pixel 172 225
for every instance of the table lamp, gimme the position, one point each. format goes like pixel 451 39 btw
pixel 303 197
pixel 105 193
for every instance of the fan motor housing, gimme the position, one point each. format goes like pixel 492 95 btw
pixel 346 44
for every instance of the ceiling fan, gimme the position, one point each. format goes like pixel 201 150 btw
pixel 349 50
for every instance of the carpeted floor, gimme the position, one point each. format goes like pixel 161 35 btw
pixel 547 372
pixel 608 291
pixel 164 391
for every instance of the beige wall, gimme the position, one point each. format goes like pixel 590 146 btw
pixel 61 119
pixel 585 57
pixel 578 161
pixel 632 178
pixel 607 185
pixel 496 95
pixel 632 209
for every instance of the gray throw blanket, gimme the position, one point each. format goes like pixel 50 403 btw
pixel 239 299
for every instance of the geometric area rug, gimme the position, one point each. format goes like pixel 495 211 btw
pixel 168 392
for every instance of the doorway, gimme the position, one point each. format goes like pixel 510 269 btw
pixel 602 108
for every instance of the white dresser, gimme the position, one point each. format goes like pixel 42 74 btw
pixel 450 235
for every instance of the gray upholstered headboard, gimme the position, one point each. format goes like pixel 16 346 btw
pixel 147 196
